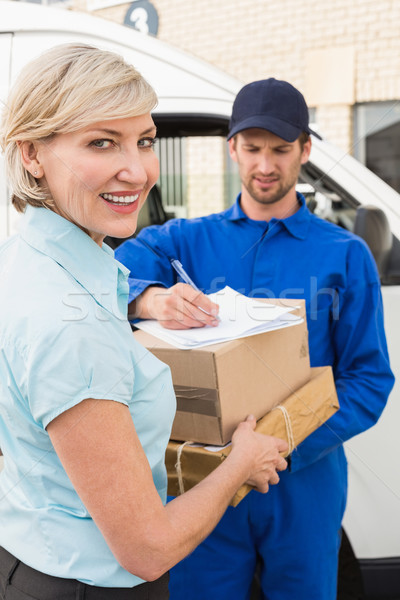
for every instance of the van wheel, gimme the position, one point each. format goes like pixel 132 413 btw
pixel 350 584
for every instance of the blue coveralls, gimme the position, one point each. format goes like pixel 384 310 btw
pixel 295 528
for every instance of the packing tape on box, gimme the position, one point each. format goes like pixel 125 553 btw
pixel 202 401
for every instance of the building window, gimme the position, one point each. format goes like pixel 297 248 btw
pixel 171 152
pixel 377 139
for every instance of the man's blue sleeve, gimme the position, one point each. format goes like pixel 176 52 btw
pixel 150 253
pixel 361 369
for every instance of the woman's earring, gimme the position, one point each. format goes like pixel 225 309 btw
pixel 35 173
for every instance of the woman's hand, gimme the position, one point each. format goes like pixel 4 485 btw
pixel 178 307
pixel 262 453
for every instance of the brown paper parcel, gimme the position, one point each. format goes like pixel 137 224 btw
pixel 308 408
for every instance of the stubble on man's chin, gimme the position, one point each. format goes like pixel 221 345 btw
pixel 264 199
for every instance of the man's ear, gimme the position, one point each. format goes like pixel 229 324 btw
pixel 305 155
pixel 232 148
pixel 29 156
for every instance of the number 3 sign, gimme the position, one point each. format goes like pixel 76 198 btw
pixel 142 15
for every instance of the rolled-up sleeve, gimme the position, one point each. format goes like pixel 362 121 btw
pixel 72 365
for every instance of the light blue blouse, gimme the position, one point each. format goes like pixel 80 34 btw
pixel 64 337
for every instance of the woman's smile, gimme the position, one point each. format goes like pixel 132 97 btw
pixel 122 202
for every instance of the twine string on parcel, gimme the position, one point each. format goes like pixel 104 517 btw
pixel 178 466
pixel 288 424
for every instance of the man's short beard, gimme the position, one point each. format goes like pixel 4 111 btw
pixel 280 193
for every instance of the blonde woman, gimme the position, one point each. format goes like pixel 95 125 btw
pixel 85 412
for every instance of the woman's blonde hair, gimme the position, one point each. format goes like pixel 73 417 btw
pixel 63 90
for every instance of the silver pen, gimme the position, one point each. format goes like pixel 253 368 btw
pixel 182 273
pixel 177 265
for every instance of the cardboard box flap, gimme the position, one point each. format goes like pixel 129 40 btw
pixel 194 369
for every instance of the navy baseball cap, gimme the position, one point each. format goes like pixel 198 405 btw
pixel 272 105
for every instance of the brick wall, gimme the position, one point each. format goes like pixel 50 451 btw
pixel 205 186
pixel 293 40
pixel 261 38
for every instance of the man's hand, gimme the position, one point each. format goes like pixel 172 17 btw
pixel 179 307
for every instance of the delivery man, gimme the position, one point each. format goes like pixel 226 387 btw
pixel 268 244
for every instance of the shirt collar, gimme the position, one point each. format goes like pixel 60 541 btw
pixel 94 268
pixel 297 224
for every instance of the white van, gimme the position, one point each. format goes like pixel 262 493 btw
pixel 195 99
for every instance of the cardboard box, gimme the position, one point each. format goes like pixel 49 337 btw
pixel 307 409
pixel 217 386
